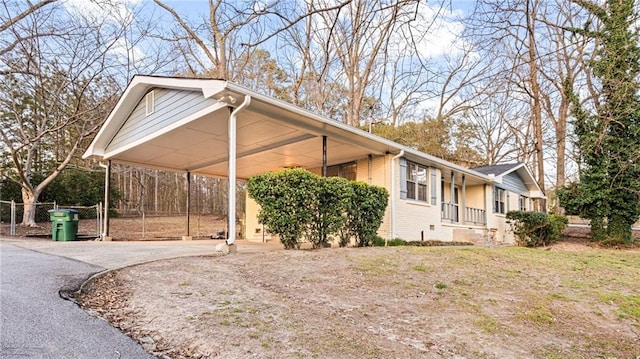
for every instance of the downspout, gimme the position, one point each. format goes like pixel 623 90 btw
pixel 188 204
pixel 393 195
pixel 232 169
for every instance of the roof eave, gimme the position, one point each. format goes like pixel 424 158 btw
pixel 136 89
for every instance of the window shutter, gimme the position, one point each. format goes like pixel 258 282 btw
pixel 495 199
pixel 403 178
pixel 434 187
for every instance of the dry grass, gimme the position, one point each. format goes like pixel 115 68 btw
pixel 570 301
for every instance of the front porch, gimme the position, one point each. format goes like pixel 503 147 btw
pixel 462 202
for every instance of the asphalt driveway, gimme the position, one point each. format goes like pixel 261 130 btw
pixel 37 323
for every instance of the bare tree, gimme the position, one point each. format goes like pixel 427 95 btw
pixel 536 59
pixel 212 46
pixel 10 17
pixel 57 84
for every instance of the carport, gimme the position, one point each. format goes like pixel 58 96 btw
pixel 217 128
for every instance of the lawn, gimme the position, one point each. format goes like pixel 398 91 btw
pixel 568 301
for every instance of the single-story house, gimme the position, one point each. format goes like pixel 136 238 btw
pixel 218 128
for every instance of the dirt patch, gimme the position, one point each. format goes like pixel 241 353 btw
pixel 400 302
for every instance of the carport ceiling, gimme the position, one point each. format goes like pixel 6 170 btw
pixel 270 134
pixel 263 144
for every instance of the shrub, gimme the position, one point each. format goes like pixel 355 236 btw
pixel 364 212
pixel 436 243
pixel 286 201
pixel 295 202
pixel 534 229
pixel 381 242
pixel 330 198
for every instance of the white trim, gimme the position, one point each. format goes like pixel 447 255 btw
pixel 415 202
pixel 231 213
pixel 194 116
pixel 394 191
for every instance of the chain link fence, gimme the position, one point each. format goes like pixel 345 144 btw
pixel 12 214
pixel 7 218
pixel 135 225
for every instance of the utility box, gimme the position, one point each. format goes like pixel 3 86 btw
pixel 64 224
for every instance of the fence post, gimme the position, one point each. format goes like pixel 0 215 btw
pixel 13 217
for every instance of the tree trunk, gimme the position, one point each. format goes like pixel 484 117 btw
pixel 535 95
pixel 29 199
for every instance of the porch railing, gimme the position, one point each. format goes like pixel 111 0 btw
pixel 451 212
pixel 475 215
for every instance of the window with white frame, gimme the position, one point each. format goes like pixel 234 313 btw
pixel 417 182
pixel 499 200
pixel 522 203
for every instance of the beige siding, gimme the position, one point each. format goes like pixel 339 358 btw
pixel 380 176
pixel 255 230
pixel 417 219
pixel 475 197
pixel 316 171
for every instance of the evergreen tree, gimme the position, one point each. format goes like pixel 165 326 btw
pixel 609 138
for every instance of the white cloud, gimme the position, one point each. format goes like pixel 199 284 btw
pixel 126 52
pixel 436 31
pixel 117 11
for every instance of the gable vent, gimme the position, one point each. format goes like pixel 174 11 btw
pixel 150 102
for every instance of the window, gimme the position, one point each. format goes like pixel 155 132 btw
pixel 345 170
pixel 150 102
pixel 499 196
pixel 416 182
pixel 522 203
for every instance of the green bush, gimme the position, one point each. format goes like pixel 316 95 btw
pixel 330 198
pixel 534 229
pixel 381 242
pixel 295 202
pixel 364 212
pixel 286 200
pixel 436 243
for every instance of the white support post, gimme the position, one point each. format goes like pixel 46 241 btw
pixel 13 217
pixel 107 193
pixel 231 235
pixel 98 219
pixel 452 196
pixel 463 201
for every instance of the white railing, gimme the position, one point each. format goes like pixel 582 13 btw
pixel 475 215
pixel 451 212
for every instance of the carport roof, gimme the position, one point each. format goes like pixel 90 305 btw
pixel 271 134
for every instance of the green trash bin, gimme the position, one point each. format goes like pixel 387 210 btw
pixel 64 224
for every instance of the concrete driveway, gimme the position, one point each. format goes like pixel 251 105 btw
pixel 113 255
pixel 37 323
